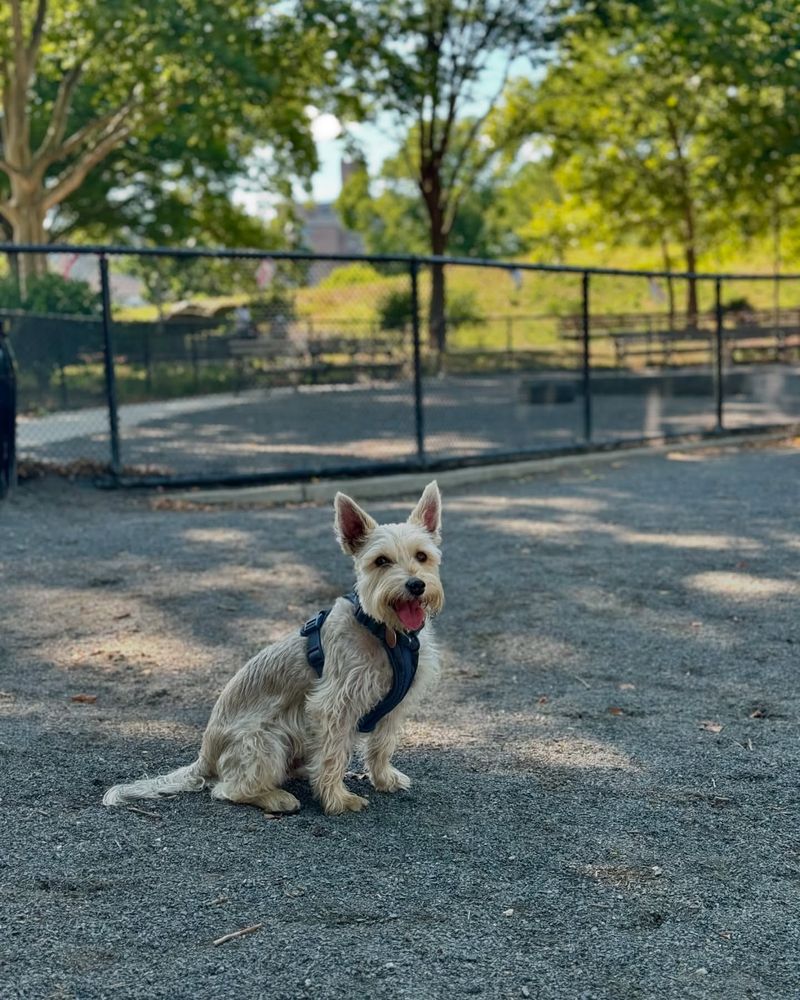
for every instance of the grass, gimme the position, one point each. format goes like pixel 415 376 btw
pixel 521 314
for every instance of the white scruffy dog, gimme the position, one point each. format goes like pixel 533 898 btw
pixel 276 718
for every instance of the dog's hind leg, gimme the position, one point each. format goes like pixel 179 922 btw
pixel 251 770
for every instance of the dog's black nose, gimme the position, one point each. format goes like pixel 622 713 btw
pixel 415 586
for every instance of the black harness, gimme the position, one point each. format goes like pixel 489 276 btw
pixel 403 658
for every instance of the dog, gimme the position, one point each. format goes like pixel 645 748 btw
pixel 297 708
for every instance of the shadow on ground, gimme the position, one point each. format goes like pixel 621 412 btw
pixel 604 788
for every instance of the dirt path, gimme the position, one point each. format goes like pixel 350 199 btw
pixel 605 789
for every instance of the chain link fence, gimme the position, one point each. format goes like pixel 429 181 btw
pixel 210 367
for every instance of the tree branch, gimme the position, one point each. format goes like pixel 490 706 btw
pixel 475 128
pixel 48 151
pixel 16 23
pixel 72 178
pixel 37 32
pixel 106 123
pixel 9 213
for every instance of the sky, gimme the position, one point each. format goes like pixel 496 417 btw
pixel 377 142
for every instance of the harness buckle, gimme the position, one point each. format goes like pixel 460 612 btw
pixel 314 623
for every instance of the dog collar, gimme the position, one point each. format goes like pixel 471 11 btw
pixel 402 653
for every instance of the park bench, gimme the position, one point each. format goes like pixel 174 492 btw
pixel 322 359
pixel 763 335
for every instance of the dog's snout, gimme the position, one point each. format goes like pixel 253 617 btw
pixel 415 586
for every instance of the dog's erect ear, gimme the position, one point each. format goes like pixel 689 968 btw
pixel 352 524
pixel 428 511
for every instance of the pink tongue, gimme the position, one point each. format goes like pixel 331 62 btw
pixel 411 614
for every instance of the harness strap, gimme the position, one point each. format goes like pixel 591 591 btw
pixel 314 651
pixel 403 659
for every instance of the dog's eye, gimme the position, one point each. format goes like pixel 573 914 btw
pixel 421 557
pixel 382 561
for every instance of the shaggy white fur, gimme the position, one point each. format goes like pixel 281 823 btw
pixel 276 719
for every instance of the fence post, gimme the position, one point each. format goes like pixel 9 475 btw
pixel 419 416
pixel 718 353
pixel 587 362
pixel 111 380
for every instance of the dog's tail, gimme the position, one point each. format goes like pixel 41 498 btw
pixel 185 779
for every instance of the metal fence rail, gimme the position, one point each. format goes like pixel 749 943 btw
pixel 279 378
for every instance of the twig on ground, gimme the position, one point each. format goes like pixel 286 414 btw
pixel 576 677
pixel 236 934
pixel 143 812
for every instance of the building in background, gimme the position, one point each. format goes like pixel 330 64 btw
pixel 323 233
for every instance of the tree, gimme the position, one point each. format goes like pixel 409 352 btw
pixel 394 218
pixel 83 81
pixel 635 121
pixel 680 117
pixel 433 62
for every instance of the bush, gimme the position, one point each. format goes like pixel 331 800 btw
pixel 50 293
pixel 462 309
pixel 350 274
pixel 737 305
pixel 396 309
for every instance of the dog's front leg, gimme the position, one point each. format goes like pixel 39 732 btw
pixel 381 744
pixel 329 754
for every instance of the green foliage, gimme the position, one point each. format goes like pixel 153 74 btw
pixel 50 293
pixel 350 274
pixel 463 308
pixel 396 309
pixel 170 104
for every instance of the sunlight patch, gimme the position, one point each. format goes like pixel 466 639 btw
pixel 743 586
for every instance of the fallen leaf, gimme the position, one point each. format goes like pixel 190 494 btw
pixel 85 699
pixel 758 713
pixel 615 710
pixel 543 700
pixel 509 912
pixel 711 727
pixel 627 687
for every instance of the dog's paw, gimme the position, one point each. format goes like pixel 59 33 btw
pixel 390 780
pixel 347 802
pixel 280 801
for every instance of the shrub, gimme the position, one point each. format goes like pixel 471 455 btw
pixel 50 293
pixel 462 309
pixel 350 274
pixel 737 305
pixel 395 309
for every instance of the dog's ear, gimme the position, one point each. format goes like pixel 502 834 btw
pixel 352 524
pixel 428 511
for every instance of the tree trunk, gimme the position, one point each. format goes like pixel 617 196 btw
pixel 670 281
pixel 437 316
pixel 29 228
pixel 431 187
pixel 691 291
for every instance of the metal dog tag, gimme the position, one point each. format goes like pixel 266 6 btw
pixel 391 637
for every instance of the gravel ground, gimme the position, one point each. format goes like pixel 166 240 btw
pixel 278 429
pixel 605 789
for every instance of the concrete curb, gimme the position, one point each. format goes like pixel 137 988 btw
pixel 412 483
